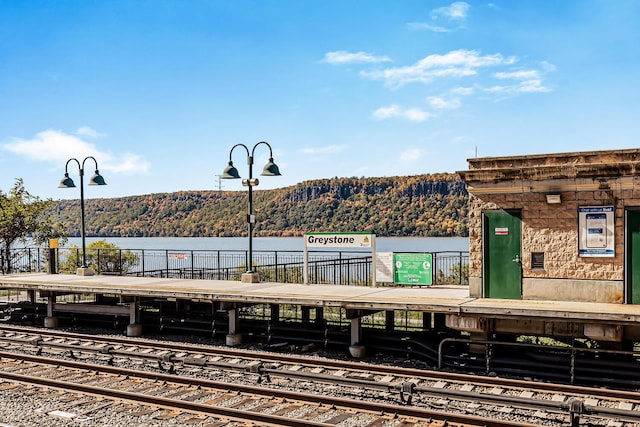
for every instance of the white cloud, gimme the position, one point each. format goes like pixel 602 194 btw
pixel 457 63
pixel 530 82
pixel 396 111
pixel 455 11
pixel 443 104
pixel 416 115
pixel 50 146
pixel 418 26
pixel 88 132
pixel 329 149
pixel 527 86
pixel 411 155
pixel 56 147
pixel 532 86
pixel 383 113
pixel 548 66
pixel 344 57
pixel 128 164
pixel 464 91
pixel 518 75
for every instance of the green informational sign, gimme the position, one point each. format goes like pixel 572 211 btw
pixel 412 269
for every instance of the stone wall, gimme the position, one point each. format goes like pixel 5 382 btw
pixel 567 160
pixel 552 229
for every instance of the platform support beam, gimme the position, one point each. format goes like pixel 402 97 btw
pixel 356 330
pixel 357 349
pixel 134 312
pixel 603 332
pixel 134 328
pixel 427 321
pixel 479 348
pixel 234 337
pixel 275 313
pixel 50 321
pixel 319 315
pixel 390 320
pixel 439 321
pixel 305 312
pixel 181 306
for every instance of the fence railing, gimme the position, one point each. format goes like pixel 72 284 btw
pixel 324 267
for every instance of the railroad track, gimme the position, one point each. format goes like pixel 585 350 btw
pixel 203 401
pixel 546 404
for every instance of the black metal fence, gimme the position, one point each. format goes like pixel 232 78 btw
pixel 324 267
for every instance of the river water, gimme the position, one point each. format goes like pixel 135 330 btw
pixel 383 244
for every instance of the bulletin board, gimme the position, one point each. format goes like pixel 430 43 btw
pixel 596 231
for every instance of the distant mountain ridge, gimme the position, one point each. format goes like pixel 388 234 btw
pixel 422 205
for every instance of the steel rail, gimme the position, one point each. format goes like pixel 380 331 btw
pixel 362 366
pixel 218 411
pixel 574 406
pixel 521 402
pixel 409 389
pixel 371 407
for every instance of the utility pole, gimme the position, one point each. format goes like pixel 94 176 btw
pixel 219 182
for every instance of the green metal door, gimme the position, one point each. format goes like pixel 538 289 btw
pixel 501 255
pixel 632 252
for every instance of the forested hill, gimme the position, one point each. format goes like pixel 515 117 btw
pixel 423 205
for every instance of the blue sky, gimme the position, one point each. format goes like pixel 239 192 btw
pixel 158 91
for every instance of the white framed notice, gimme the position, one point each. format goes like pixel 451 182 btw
pixel 384 267
pixel 596 231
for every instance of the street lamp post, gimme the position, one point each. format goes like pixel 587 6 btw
pixel 230 172
pixel 67 182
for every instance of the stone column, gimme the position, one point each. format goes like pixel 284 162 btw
pixel 134 328
pixel 234 337
pixel 50 321
pixel 356 349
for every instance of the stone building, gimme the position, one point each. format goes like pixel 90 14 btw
pixel 555 226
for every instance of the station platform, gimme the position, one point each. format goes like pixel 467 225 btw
pixel 600 320
pixel 434 299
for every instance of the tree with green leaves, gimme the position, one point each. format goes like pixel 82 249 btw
pixel 458 275
pixel 22 216
pixel 102 257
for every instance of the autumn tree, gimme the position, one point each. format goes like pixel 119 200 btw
pixel 102 256
pixel 421 205
pixel 23 216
